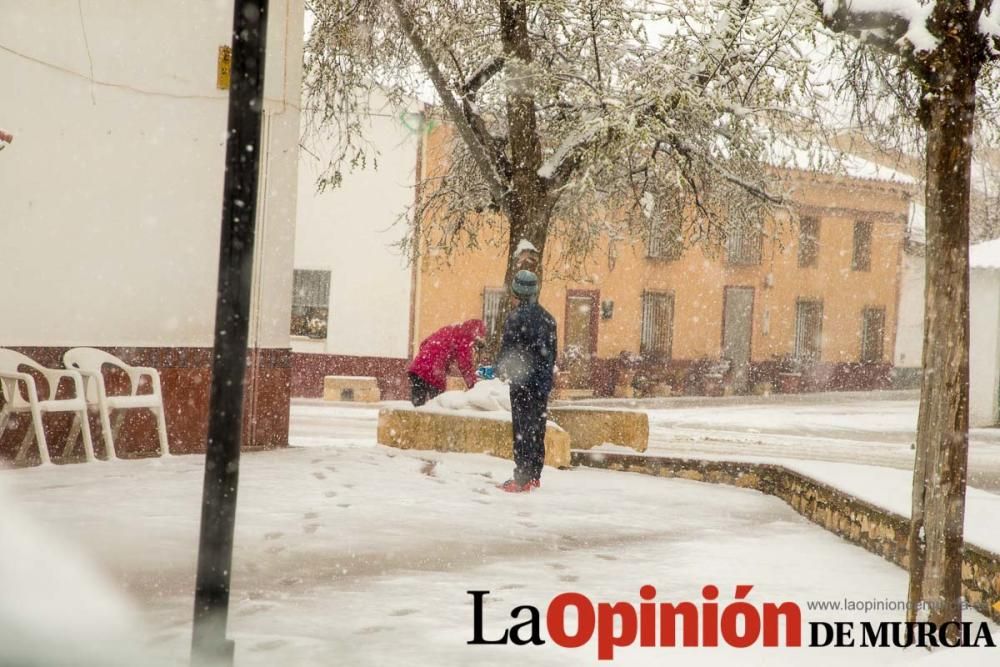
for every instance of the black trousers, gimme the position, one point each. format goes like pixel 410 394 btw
pixel 528 413
pixel 421 391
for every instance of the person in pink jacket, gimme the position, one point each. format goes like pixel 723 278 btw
pixel 455 343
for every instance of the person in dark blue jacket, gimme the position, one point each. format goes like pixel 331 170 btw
pixel 527 358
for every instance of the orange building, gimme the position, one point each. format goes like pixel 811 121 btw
pixel 808 305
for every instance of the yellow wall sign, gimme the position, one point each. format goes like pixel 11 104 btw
pixel 224 67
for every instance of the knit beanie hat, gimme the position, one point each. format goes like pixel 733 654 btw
pixel 525 284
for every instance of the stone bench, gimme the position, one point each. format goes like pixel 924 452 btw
pixel 447 432
pixel 589 427
pixel 351 388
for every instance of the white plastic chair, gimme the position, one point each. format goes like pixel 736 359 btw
pixel 90 363
pixel 16 401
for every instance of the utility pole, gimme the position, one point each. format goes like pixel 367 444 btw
pixel 209 645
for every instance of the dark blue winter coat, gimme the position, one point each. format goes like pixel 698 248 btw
pixel 528 348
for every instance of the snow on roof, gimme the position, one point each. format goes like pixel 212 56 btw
pixel 824 159
pixel 858 167
pixel 985 255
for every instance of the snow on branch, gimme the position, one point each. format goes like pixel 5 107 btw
pixel 897 26
pixel 989 26
pixel 484 73
pixel 560 161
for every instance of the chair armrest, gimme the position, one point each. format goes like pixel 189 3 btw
pixel 136 374
pixel 28 381
pixel 55 375
pixel 92 376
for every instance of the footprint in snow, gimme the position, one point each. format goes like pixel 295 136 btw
pixel 372 629
pixel 311 515
pixel 607 557
pixel 403 612
pixel 256 609
pixel 268 645
pixel 557 566
pixel 273 536
pixel 319 475
pixel 311 528
pixel 569 578
pixel 344 505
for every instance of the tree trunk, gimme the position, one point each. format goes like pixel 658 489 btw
pixel 527 204
pixel 938 513
pixel 535 231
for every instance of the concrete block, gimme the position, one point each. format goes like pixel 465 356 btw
pixel 568 394
pixel 590 427
pixel 444 432
pixel 349 388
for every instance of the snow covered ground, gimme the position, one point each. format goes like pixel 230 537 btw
pixel 870 428
pixel 351 553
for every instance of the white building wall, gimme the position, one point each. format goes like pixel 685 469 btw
pixel 111 193
pixel 984 346
pixel 353 231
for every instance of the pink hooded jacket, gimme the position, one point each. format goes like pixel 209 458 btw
pixel 453 343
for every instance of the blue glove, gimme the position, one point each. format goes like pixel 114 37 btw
pixel 485 372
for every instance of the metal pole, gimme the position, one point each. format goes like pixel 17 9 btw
pixel 222 456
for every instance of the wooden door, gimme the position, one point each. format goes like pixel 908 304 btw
pixel 581 336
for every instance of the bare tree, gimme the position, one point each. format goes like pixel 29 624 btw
pixel 588 120
pixel 940 47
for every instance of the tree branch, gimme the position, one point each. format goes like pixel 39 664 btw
pixel 486 166
pixel 481 76
pixel 494 145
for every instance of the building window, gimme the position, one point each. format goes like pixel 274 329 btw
pixel 310 303
pixel 492 298
pixel 743 245
pixel 861 260
pixel 657 324
pixel 808 330
pixel 665 240
pixel 872 335
pixel 808 242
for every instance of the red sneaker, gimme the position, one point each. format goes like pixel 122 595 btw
pixel 511 486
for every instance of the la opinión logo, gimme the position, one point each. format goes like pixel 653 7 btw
pixel 737 623
pixel 572 620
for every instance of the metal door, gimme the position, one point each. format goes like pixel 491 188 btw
pixel 737 325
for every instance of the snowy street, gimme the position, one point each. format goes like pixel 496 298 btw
pixel 352 553
pixel 872 428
